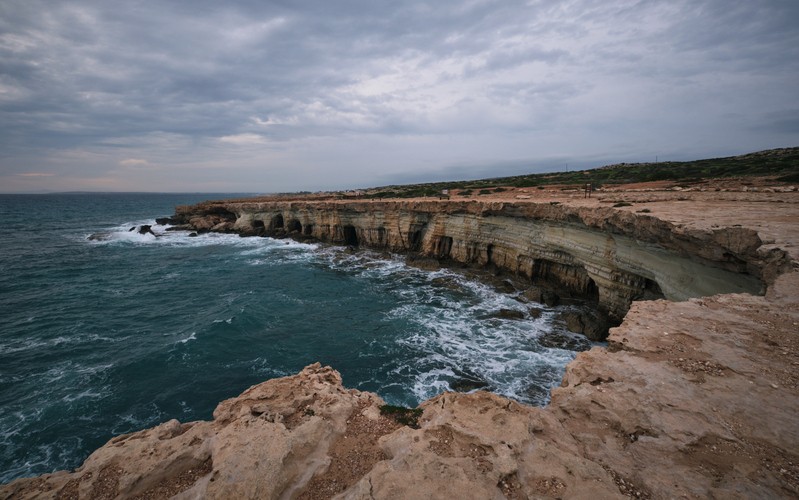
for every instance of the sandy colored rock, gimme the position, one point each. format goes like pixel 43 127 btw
pixel 690 399
pixel 613 254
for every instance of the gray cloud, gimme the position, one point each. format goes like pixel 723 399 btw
pixel 282 95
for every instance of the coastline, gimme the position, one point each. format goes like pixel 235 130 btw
pixel 693 398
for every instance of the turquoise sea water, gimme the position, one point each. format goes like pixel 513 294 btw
pixel 102 337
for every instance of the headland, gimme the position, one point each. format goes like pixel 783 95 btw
pixel 694 396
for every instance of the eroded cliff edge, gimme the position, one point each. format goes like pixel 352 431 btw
pixel 691 399
pixel 610 256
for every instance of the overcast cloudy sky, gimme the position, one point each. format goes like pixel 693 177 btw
pixel 264 96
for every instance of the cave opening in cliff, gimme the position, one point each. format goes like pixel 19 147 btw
pixel 307 229
pixel 591 290
pixel 294 225
pixel 415 240
pixel 570 277
pixel 651 291
pixel 350 235
pixel 277 222
pixel 443 246
pixel 258 226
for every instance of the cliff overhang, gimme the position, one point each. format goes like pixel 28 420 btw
pixel 607 256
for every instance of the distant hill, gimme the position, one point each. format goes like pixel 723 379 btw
pixel 782 164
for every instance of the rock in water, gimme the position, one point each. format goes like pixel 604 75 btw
pixel 506 314
pixel 591 323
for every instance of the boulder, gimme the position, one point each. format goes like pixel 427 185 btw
pixel 591 323
pixel 532 294
pixel 506 314
pixel 550 298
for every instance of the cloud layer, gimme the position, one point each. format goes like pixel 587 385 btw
pixel 276 96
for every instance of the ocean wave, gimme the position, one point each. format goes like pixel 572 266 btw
pixel 453 328
pixel 191 337
pixel 18 346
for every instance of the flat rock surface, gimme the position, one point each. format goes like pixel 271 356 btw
pixel 694 399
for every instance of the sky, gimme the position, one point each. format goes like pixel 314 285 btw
pixel 275 96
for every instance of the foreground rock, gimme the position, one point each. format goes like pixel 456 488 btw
pixel 693 399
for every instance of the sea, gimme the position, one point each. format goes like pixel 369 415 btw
pixel 105 331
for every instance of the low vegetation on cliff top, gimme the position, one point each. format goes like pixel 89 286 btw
pixel 780 163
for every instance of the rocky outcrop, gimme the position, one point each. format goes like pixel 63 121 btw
pixel 690 399
pixel 693 399
pixel 610 256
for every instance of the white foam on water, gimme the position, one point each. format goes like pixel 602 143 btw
pixel 448 315
pixel 48 457
pixel 451 322
pixel 122 234
pixel 145 416
pixel 15 346
pixel 191 337
pixel 86 394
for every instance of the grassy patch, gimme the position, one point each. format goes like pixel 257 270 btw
pixel 780 163
pixel 402 415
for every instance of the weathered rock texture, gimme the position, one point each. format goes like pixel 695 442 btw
pixel 608 255
pixel 694 399
pixel 691 399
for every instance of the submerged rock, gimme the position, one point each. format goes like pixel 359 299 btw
pixel 564 340
pixel 467 381
pixel 592 323
pixel 164 221
pixel 505 314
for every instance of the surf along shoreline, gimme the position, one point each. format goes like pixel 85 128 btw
pixel 694 397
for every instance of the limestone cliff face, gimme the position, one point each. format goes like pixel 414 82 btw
pixel 608 255
pixel 691 399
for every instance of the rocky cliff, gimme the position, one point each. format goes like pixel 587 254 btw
pixel 690 399
pixel 611 256
pixel 694 399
